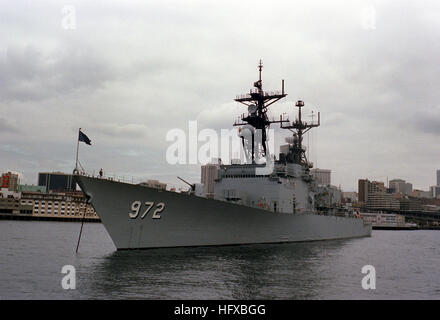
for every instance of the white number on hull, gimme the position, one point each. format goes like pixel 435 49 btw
pixel 136 207
pixel 160 206
pixel 149 204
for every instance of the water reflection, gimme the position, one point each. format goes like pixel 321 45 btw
pixel 406 265
pixel 281 271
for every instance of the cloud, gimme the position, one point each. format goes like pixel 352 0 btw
pixel 427 120
pixel 7 127
pixel 28 74
pixel 129 131
pixel 132 71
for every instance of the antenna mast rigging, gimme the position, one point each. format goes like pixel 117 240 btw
pixel 299 128
pixel 258 101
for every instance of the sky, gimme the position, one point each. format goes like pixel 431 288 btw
pixel 128 72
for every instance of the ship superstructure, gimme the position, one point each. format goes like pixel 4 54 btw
pixel 284 185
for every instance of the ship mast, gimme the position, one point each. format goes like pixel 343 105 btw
pixel 258 101
pixel 299 128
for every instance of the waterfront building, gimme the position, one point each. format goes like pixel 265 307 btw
pixel 40 204
pixel 363 190
pixel 57 181
pixel 9 181
pixel 382 201
pixel 58 204
pixel 6 193
pixel 421 194
pixel 385 220
pixel 410 204
pixel 373 195
pixel 32 188
pixel 322 176
pixel 435 192
pixel 430 208
pixel 376 187
pixel 11 205
pixel 400 186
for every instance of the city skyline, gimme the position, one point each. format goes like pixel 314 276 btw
pixel 387 184
pixel 378 99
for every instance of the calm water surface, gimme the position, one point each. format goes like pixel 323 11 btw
pixel 32 254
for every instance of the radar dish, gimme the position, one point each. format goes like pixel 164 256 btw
pixel 252 108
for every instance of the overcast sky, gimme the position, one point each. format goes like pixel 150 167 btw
pixel 129 71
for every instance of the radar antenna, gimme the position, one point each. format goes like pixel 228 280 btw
pixel 299 128
pixel 258 101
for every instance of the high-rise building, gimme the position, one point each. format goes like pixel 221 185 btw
pixel 322 176
pixel 9 181
pixel 376 187
pixel 400 186
pixel 208 175
pixel 363 190
pixel 57 181
pixel 438 177
pixel 374 195
pixel 435 191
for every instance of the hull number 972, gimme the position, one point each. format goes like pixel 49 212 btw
pixel 136 209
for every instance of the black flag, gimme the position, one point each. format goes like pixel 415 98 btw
pixel 82 137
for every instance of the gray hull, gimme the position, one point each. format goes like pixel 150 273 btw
pixel 188 220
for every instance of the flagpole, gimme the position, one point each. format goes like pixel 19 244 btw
pixel 77 149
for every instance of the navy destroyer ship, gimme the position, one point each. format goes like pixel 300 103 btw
pixel 277 201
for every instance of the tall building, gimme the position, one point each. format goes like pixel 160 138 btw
pixel 208 175
pixel 57 181
pixel 401 186
pixel 374 195
pixel 435 191
pixel 322 176
pixel 363 190
pixel 9 181
pixel 376 187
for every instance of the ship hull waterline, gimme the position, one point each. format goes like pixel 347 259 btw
pixel 187 221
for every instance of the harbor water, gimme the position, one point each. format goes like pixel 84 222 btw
pixel 33 253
